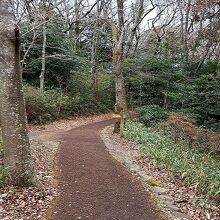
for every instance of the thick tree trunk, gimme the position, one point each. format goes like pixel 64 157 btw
pixel 17 155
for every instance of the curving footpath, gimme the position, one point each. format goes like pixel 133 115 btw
pixel 94 186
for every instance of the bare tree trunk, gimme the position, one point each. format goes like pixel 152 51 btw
pixel 94 52
pixel 23 61
pixel 43 68
pixel 17 155
pixel 208 46
pixel 66 16
pixel 77 22
pixel 118 58
pixel 186 32
pixel 138 13
pixel 94 65
pixel 121 102
pixel 184 28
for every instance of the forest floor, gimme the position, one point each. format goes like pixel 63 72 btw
pixel 79 179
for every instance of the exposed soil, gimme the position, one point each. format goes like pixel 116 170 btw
pixel 30 203
pixel 93 185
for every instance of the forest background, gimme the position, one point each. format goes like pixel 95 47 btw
pixel 170 60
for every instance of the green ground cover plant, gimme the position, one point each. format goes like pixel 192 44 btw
pixel 192 165
pixel 4 174
pixel 151 114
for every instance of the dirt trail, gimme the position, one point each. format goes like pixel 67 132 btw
pixel 93 186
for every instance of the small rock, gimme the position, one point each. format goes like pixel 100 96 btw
pixel 160 190
pixel 180 216
pixel 144 176
pixel 166 198
pixel 127 163
pixel 134 168
pixel 172 207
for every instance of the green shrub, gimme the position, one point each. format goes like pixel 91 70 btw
pixel 200 97
pixel 151 114
pixel 46 106
pixel 1 149
pixel 54 104
pixel 4 174
pixel 192 165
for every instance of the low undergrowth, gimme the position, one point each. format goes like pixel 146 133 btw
pixel 53 104
pixel 4 174
pixel 194 166
pixel 151 114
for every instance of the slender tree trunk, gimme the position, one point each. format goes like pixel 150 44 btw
pixel 202 60
pixel 184 28
pixel 17 155
pixel 138 13
pixel 77 23
pixel 118 59
pixel 121 101
pixel 94 52
pixel 94 65
pixel 43 68
pixel 23 61
pixel 66 15
pixel 137 39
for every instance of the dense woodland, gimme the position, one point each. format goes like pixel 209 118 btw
pixel 81 57
pixel 71 50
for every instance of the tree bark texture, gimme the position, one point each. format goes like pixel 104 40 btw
pixel 118 58
pixel 77 23
pixel 94 52
pixel 43 64
pixel 16 145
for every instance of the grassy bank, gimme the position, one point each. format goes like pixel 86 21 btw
pixel 194 166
